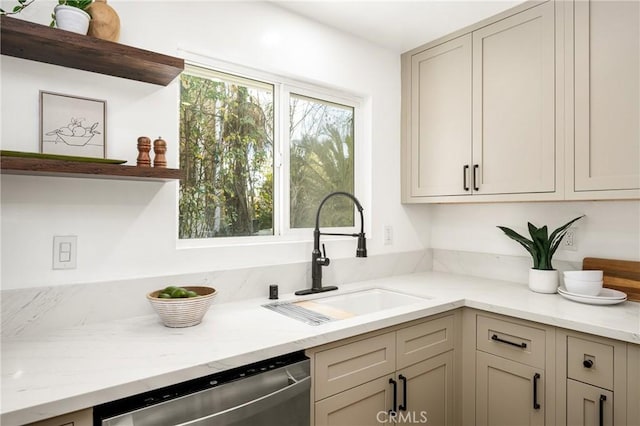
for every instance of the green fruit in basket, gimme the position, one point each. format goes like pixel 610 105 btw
pixel 179 292
pixel 170 289
pixel 164 295
pixel 191 293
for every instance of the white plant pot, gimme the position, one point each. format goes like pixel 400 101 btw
pixel 72 19
pixel 543 281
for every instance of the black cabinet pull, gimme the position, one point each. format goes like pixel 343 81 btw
pixel 587 363
pixel 395 395
pixel 464 177
pixel 522 345
pixel 403 406
pixel 475 178
pixel 603 398
pixel 536 406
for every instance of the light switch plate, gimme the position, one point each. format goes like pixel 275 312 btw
pixel 388 235
pixel 65 251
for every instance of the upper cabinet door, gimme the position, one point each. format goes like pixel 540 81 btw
pixel 606 73
pixel 514 144
pixel 440 132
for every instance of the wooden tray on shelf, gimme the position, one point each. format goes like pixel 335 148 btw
pixel 72 167
pixel 42 156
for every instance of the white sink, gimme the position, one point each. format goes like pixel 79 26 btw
pixel 329 308
pixel 359 302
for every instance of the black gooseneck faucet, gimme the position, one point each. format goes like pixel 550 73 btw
pixel 320 259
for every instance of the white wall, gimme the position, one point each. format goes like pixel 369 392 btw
pixel 128 229
pixel 610 229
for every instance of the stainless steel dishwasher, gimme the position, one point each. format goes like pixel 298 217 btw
pixel 268 393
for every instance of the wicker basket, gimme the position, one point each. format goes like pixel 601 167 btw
pixel 183 312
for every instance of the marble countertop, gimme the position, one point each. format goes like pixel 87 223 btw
pixel 80 367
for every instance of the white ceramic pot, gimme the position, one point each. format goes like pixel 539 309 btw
pixel 72 19
pixel 543 281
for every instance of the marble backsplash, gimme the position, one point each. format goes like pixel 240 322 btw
pixel 488 265
pixel 27 312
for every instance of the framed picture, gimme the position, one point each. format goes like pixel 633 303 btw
pixel 71 125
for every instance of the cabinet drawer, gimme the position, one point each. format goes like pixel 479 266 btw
pixel 510 340
pixel 422 341
pixel 590 362
pixel 352 364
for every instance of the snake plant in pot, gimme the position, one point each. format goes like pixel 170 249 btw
pixel 542 246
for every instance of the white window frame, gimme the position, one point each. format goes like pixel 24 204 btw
pixel 286 142
pixel 283 86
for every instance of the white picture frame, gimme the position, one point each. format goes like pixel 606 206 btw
pixel 72 125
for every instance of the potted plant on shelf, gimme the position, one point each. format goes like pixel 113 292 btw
pixel 70 15
pixel 542 246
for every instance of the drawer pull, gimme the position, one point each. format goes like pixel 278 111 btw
pixel 536 406
pixel 519 345
pixel 403 406
pixel 603 398
pixel 588 363
pixel 395 396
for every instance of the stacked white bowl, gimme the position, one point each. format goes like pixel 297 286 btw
pixel 588 283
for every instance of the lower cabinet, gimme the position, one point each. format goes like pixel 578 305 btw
pixel 366 404
pixel 511 362
pixel 518 372
pixel 588 405
pixel 77 418
pixel 508 393
pixel 427 391
pixel 405 375
pixel 595 378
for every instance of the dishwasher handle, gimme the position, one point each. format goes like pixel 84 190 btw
pixel 255 406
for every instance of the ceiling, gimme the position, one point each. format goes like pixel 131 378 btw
pixel 397 24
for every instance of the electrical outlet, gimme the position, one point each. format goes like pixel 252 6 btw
pixel 388 235
pixel 570 242
pixel 65 251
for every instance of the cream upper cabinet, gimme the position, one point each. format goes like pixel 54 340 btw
pixel 440 147
pixel 603 138
pixel 514 147
pixel 541 102
pixel 479 113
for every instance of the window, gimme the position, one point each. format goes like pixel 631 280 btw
pixel 260 156
pixel 321 161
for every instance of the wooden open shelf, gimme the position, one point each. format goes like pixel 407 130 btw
pixel 62 168
pixel 36 42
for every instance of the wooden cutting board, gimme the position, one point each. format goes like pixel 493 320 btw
pixel 623 275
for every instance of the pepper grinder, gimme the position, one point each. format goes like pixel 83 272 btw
pixel 159 149
pixel 144 146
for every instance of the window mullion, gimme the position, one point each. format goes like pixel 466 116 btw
pixel 285 213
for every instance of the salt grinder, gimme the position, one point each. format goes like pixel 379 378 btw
pixel 144 146
pixel 159 149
